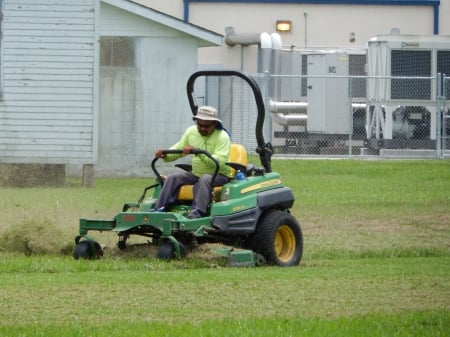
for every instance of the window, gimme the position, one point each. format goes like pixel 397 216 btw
pixel 117 51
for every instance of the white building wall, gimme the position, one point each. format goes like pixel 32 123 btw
pixel 47 104
pixel 444 14
pixel 171 7
pixel 313 25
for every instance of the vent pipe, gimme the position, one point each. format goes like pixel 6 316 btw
pixel 275 68
pixel 289 113
pixel 232 39
pixel 263 40
pixel 270 45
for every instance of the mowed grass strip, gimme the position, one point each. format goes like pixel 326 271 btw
pixel 146 292
pixel 406 324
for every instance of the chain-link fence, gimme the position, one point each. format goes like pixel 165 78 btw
pixel 333 115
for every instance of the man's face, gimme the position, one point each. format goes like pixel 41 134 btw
pixel 205 128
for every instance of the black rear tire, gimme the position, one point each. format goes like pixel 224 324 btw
pixel 279 239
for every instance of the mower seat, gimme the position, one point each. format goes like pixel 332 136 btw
pixel 237 161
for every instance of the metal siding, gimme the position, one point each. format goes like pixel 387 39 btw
pixel 47 107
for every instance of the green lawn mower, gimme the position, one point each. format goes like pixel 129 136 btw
pixel 249 215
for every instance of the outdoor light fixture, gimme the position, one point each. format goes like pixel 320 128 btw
pixel 284 25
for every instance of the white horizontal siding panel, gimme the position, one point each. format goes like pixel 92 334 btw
pixel 50 84
pixel 40 6
pixel 45 97
pixel 50 71
pixel 52 2
pixel 51 135
pixel 48 66
pixel 36 129
pixel 22 45
pixel 55 157
pixel 42 61
pixel 44 103
pixel 24 159
pixel 50 91
pixel 21 28
pixel 47 52
pixel 51 15
pixel 48 79
pixel 46 20
pixel 53 147
pixel 57 124
pixel 48 41
pixel 40 141
pixel 48 33
pixel 65 113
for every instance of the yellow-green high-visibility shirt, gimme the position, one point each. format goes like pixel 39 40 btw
pixel 217 144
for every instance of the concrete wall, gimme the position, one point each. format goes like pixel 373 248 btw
pixel 145 106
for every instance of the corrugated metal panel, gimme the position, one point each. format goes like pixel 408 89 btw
pixel 47 107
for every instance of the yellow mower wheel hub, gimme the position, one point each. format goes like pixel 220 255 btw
pixel 285 243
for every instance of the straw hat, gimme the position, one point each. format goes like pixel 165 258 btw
pixel 207 113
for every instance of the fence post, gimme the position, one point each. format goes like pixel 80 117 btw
pixel 439 113
pixel 444 115
pixel 88 179
pixel 350 120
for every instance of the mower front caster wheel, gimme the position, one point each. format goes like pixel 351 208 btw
pixel 167 250
pixel 87 250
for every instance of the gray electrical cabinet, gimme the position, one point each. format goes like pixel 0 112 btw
pixel 329 104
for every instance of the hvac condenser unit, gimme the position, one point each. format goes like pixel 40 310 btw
pixel 401 71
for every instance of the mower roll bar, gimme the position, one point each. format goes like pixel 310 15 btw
pixel 265 150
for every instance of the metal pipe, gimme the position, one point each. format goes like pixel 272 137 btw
pixel 288 107
pixel 295 113
pixel 246 39
pixel 291 119
pixel 289 113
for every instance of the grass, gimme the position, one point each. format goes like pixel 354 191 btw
pixel 422 324
pixel 40 294
pixel 376 262
pixel 365 207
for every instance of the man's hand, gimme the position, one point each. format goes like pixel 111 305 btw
pixel 187 149
pixel 159 153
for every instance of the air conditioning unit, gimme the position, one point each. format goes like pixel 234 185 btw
pixel 329 103
pixel 401 86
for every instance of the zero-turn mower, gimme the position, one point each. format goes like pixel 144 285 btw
pixel 250 214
